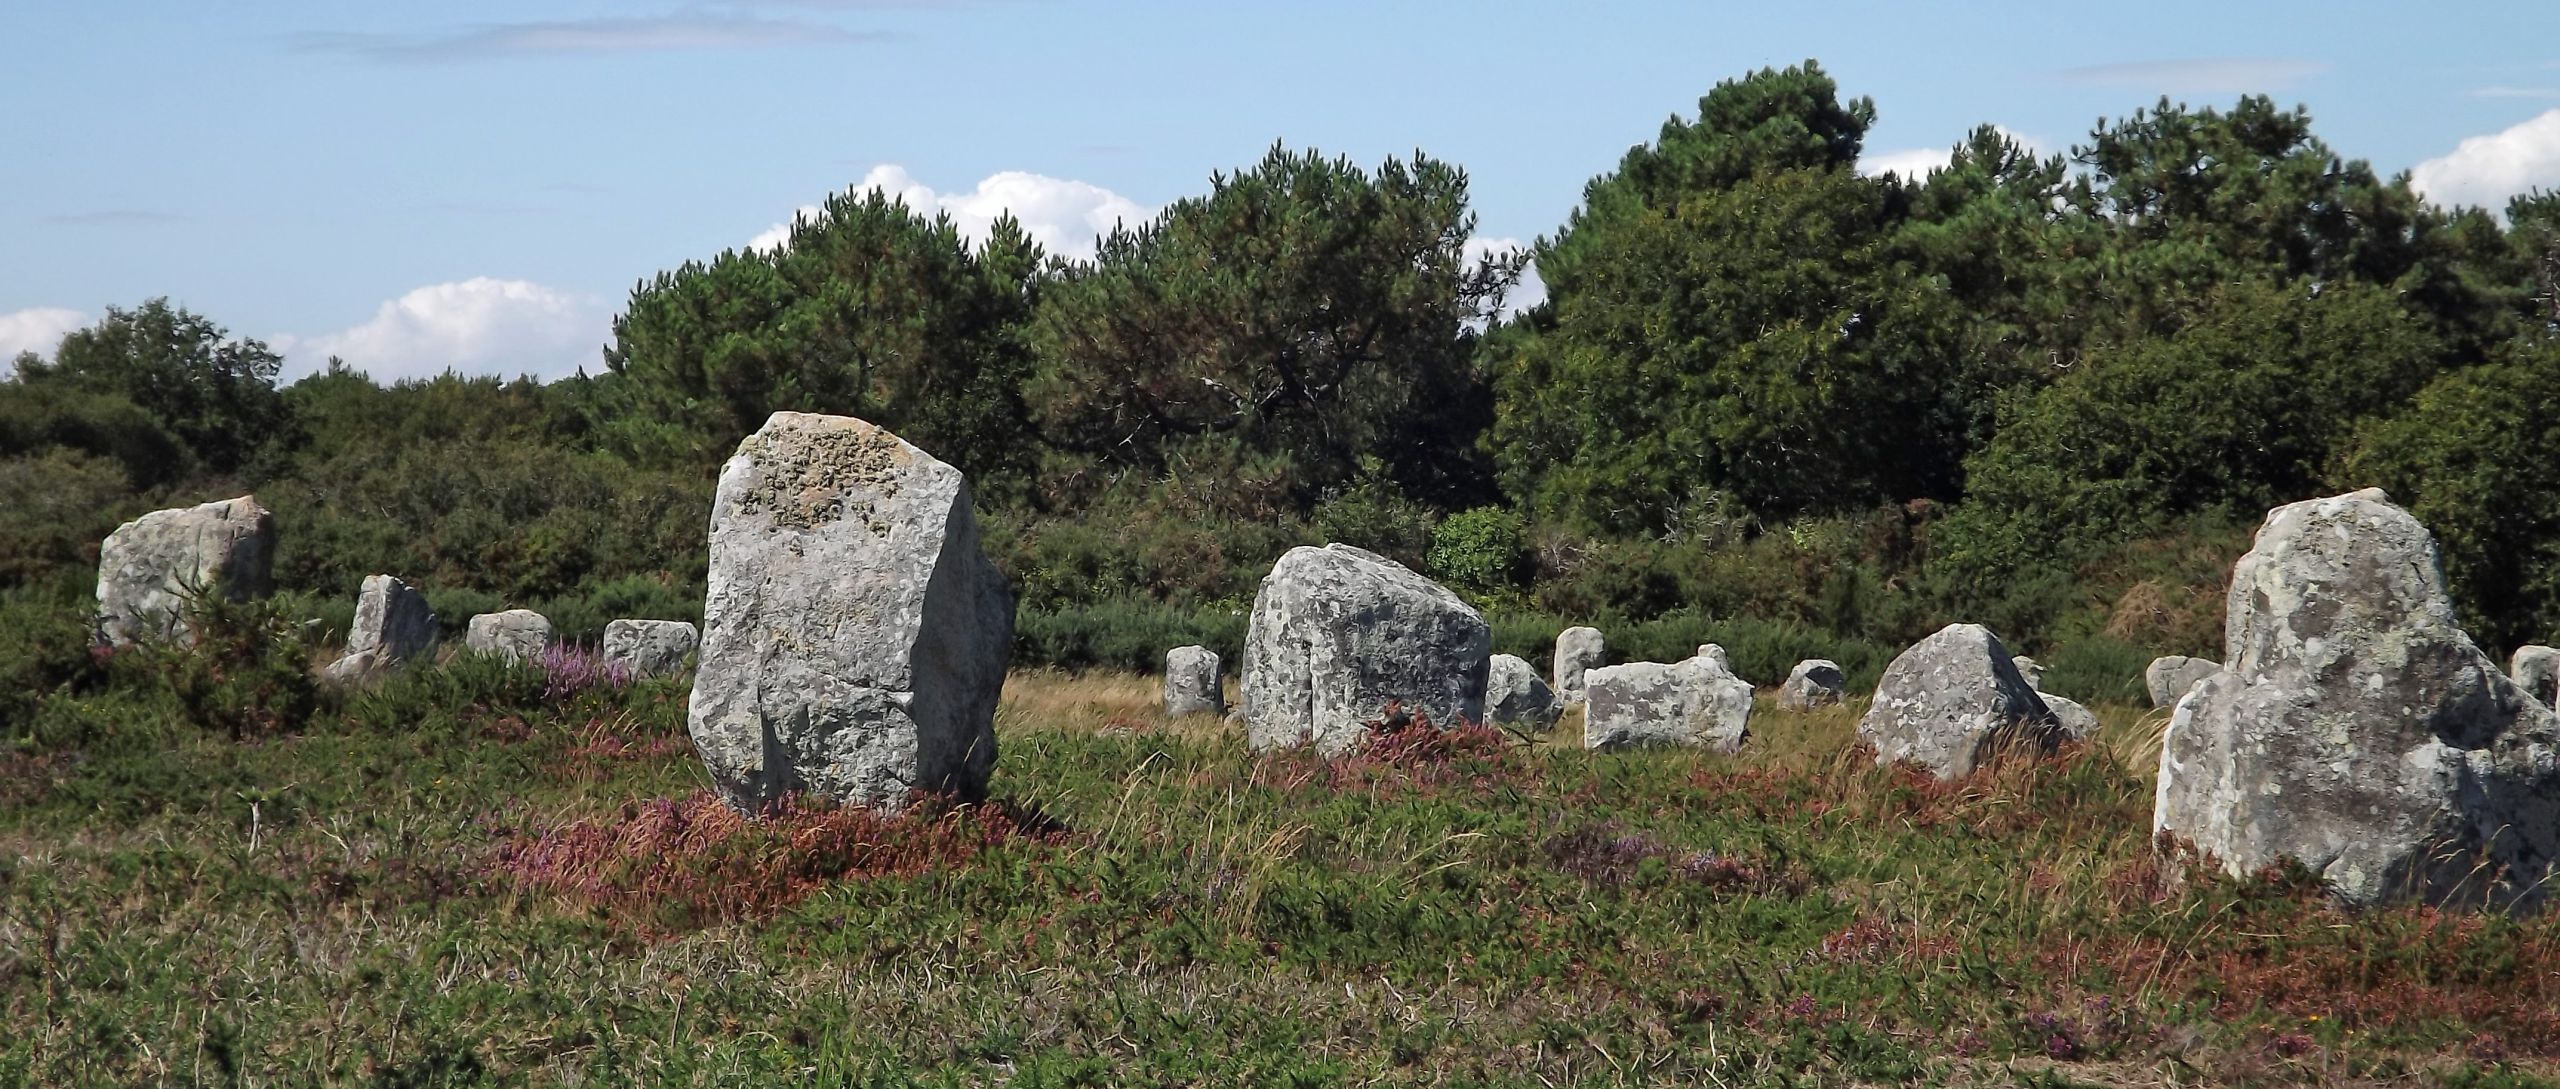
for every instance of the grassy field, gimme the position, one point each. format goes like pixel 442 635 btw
pixel 476 875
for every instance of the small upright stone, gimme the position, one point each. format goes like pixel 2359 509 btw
pixel 1815 682
pixel 2076 722
pixel 2536 669
pixel 2030 670
pixel 516 634
pixel 1953 700
pixel 1515 695
pixel 1697 702
pixel 1191 682
pixel 393 623
pixel 148 567
pixel 855 635
pixel 1339 633
pixel 1714 652
pixel 1578 651
pixel 2171 677
pixel 649 648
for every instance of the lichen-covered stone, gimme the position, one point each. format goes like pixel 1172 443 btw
pixel 2536 669
pixel 1578 651
pixel 1814 682
pixel 649 648
pixel 2030 670
pixel 1696 703
pixel 393 624
pixel 2171 676
pixel 1191 682
pixel 1516 696
pixel 2076 722
pixel 2357 730
pixel 1338 634
pixel 516 634
pixel 855 635
pixel 149 566
pixel 1714 652
pixel 1952 701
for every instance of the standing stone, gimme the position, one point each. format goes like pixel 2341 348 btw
pixel 1515 695
pixel 2171 677
pixel 2076 722
pixel 1191 682
pixel 149 566
pixel 855 635
pixel 2031 671
pixel 1952 701
pixel 516 634
pixel 1339 633
pixel 1578 651
pixel 1815 682
pixel 392 625
pixel 1697 702
pixel 649 647
pixel 2357 730
pixel 2536 669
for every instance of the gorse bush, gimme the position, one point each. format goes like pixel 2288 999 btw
pixel 244 671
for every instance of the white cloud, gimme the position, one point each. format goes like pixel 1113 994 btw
pixel 476 326
pixel 1530 291
pixel 1064 216
pixel 1917 163
pixel 2486 170
pixel 38 329
pixel 2200 75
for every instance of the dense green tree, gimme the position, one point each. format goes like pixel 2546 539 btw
pixel 1302 315
pixel 215 393
pixel 869 309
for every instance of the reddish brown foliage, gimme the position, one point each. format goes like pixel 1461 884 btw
pixel 1405 752
pixel 670 863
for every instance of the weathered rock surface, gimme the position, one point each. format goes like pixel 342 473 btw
pixel 2357 730
pixel 516 634
pixel 1339 633
pixel 1578 651
pixel 2172 676
pixel 2030 670
pixel 855 635
pixel 1696 702
pixel 1953 700
pixel 1714 652
pixel 1516 696
pixel 2536 669
pixel 1814 682
pixel 2076 722
pixel 1191 684
pixel 148 566
pixel 393 624
pixel 649 648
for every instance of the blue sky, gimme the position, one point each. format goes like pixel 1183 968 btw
pixel 479 185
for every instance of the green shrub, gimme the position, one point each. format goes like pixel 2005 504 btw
pixel 1123 635
pixel 45 638
pixel 1480 551
pixel 248 672
pixel 2097 669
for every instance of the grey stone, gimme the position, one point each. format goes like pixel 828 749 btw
pixel 1515 695
pixel 149 566
pixel 516 634
pixel 1714 652
pixel 2076 722
pixel 2536 669
pixel 855 635
pixel 1338 634
pixel 1191 682
pixel 1814 682
pixel 1697 702
pixel 2030 670
pixel 2357 730
pixel 1578 651
pixel 393 624
pixel 2168 678
pixel 649 648
pixel 1952 701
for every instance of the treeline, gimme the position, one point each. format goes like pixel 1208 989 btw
pixel 1767 399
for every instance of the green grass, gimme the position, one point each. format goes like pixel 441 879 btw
pixel 461 879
